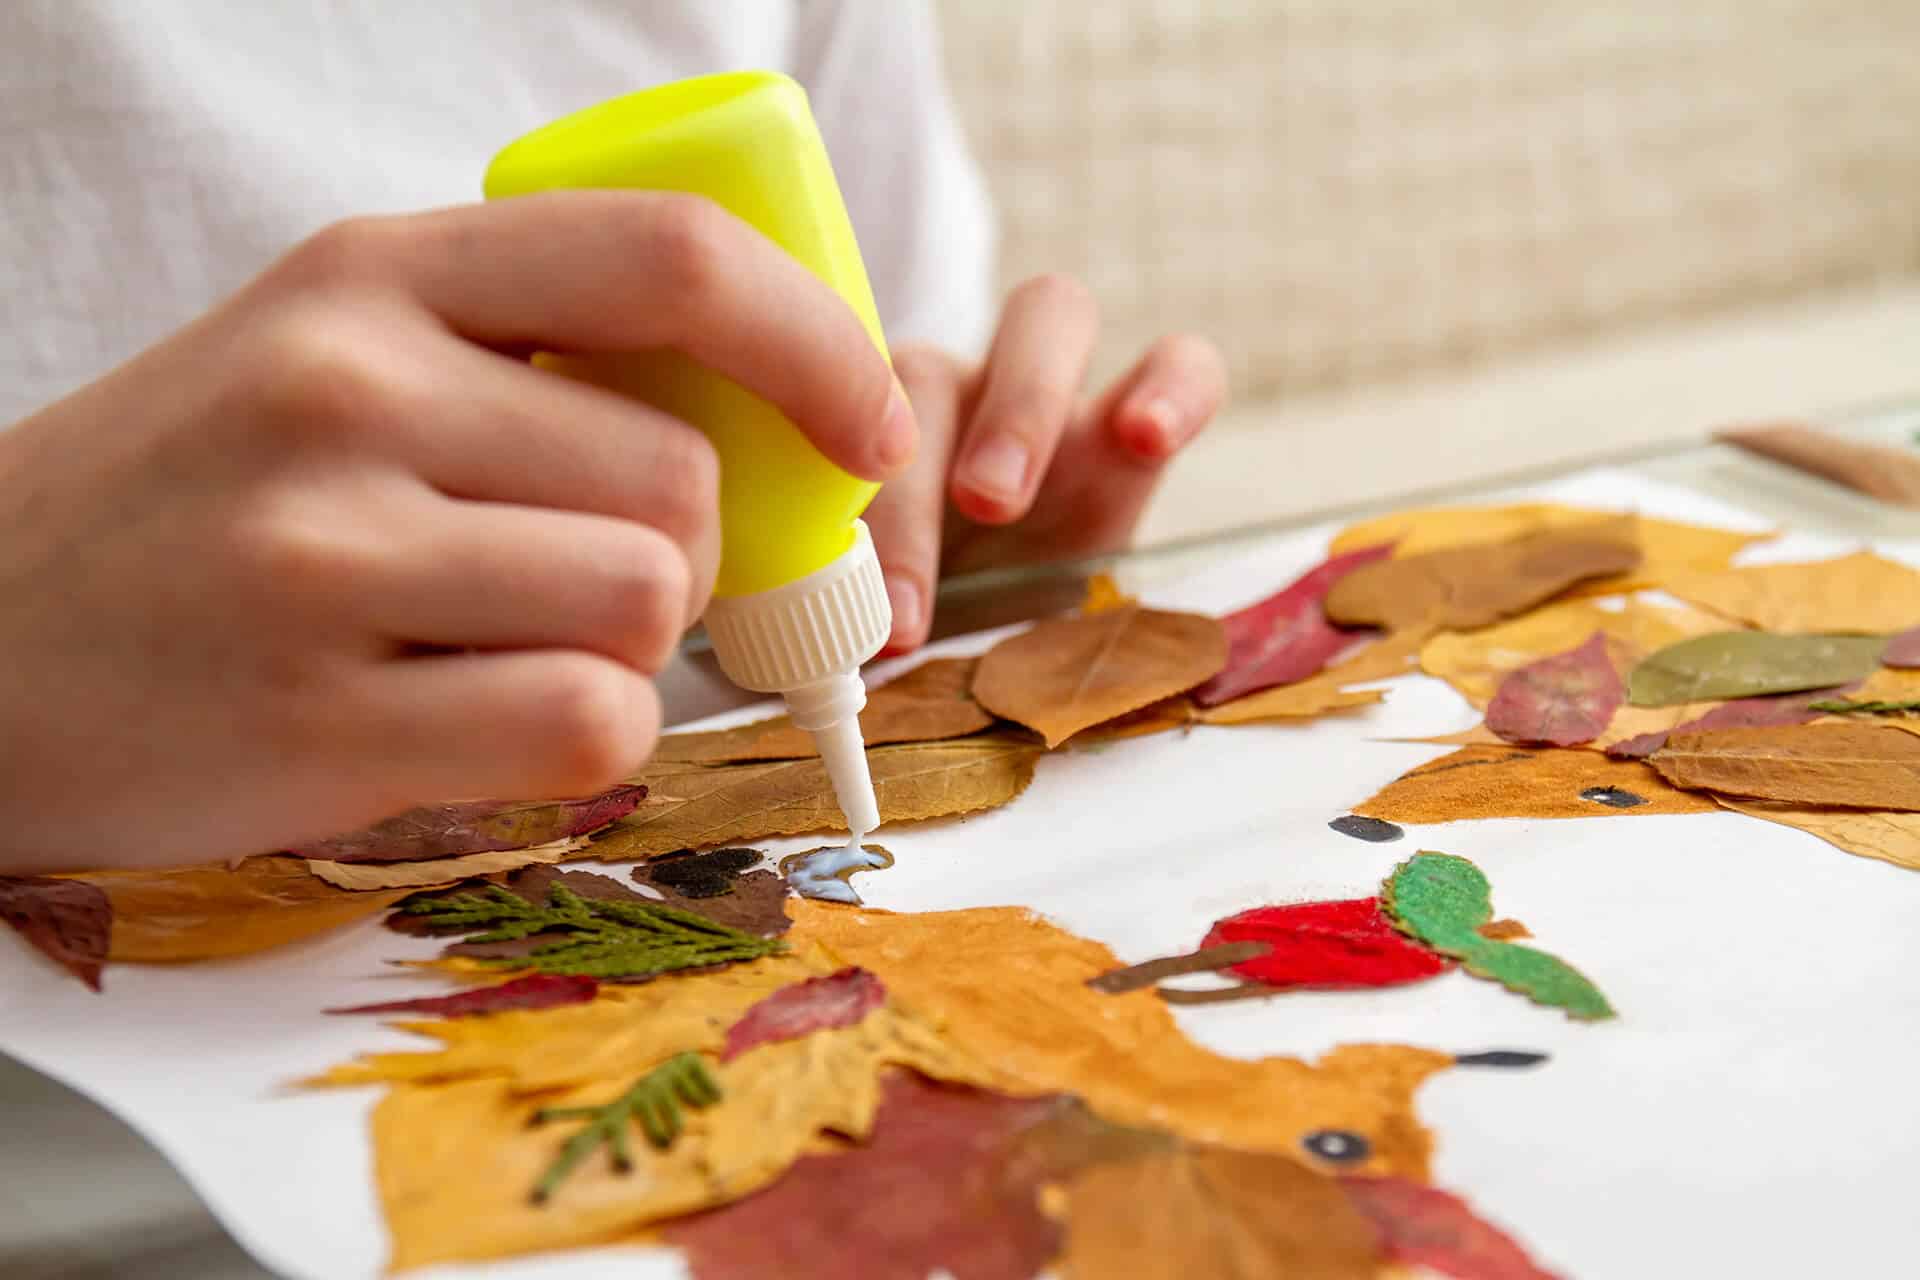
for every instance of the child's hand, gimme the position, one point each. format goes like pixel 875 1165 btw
pixel 1014 465
pixel 239 576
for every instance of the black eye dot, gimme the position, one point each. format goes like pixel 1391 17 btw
pixel 1337 1145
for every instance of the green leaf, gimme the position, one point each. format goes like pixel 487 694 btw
pixel 654 1101
pixel 594 937
pixel 1741 664
pixel 1443 900
pixel 1845 707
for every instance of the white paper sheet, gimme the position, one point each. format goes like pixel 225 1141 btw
pixel 1750 1112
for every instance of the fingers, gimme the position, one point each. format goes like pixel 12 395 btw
pixel 906 516
pixel 491 576
pixel 611 271
pixel 1162 403
pixel 1029 393
pixel 508 726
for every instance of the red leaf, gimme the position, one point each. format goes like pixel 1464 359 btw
pixel 1560 701
pixel 1427 1227
pixel 933 1188
pixel 69 921
pixel 818 1004
pixel 537 991
pixel 1903 650
pixel 1327 944
pixel 1286 637
pixel 480 826
pixel 1770 709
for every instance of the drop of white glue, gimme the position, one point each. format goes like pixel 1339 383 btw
pixel 823 873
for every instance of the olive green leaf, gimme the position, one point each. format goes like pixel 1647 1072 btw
pixel 1741 664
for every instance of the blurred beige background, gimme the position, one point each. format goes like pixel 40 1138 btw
pixel 1445 242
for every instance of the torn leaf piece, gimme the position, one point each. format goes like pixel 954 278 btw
pixel 535 991
pixel 1423 1226
pixel 364 876
pixel 1772 709
pixel 601 938
pixel 1330 691
pixel 827 872
pixel 1858 765
pixel 1560 701
pixel 1507 782
pixel 931 703
pixel 1856 594
pixel 485 826
pixel 743 803
pixel 1068 673
pixel 1475 585
pixel 654 1102
pixel 1372 830
pixel 67 921
pixel 1903 650
pixel 1444 901
pixel 840 999
pixel 1742 664
pixel 1327 944
pixel 1667 547
pixel 1115 982
pixel 1890 837
pixel 1286 637
pixel 1891 475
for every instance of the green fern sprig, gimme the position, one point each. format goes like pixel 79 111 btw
pixel 654 1101
pixel 1843 706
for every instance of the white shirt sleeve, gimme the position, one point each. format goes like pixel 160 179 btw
pixel 919 205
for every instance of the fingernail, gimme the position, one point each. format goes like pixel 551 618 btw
pixel 998 468
pixel 1155 424
pixel 909 609
pixel 898 435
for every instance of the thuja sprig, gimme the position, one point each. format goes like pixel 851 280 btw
pixel 654 1102
pixel 598 938
pixel 1843 706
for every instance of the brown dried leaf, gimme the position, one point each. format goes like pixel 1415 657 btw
pixel 1329 691
pixel 931 703
pixel 1068 673
pixel 66 920
pixel 437 871
pixel 742 803
pixel 1505 782
pixel 1890 837
pixel 1473 586
pixel 1891 475
pixel 1863 766
pixel 1861 593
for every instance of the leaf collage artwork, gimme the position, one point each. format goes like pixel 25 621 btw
pixel 659 1031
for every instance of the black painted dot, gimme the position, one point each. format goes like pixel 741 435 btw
pixel 1337 1145
pixel 1613 797
pixel 1500 1058
pixel 1372 830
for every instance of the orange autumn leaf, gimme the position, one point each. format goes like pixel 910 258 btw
pixel 1852 764
pixel 930 703
pixel 1478 584
pixel 1506 782
pixel 1066 674
pixel 1861 593
pixel 1103 593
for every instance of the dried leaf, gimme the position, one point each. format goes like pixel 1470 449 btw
pixel 482 826
pixel 1103 593
pixel 1890 837
pixel 827 872
pixel 1444 901
pixel 210 911
pixel 1329 691
pixel 1156 717
pixel 1327 945
pixel 1863 766
pixel 742 803
pixel 1775 709
pixel 1857 594
pixel 437 871
pixel 1371 830
pixel 1068 673
pixel 1866 707
pixel 1020 1002
pixel 1286 637
pixel 1473 586
pixel 653 1103
pixel 1667 547
pixel 698 875
pixel 1903 650
pixel 930 703
pixel 67 921
pixel 1559 701
pixel 1741 664
pixel 1891 475
pixel 840 999
pixel 1423 1226
pixel 1506 782
pixel 535 991
pixel 1475 662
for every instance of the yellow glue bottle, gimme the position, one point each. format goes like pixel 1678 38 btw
pixel 800 601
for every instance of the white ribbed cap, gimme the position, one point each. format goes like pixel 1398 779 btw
pixel 815 627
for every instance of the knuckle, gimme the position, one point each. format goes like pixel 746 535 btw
pixel 649 590
pixel 919 366
pixel 686 240
pixel 294 553
pixel 600 729
pixel 686 486
pixel 352 250
pixel 317 378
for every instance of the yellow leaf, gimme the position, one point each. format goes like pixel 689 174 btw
pixel 1011 987
pixel 438 871
pixel 1330 690
pixel 1667 547
pixel 1103 593
pixel 1890 837
pixel 1860 593
pixel 1507 782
